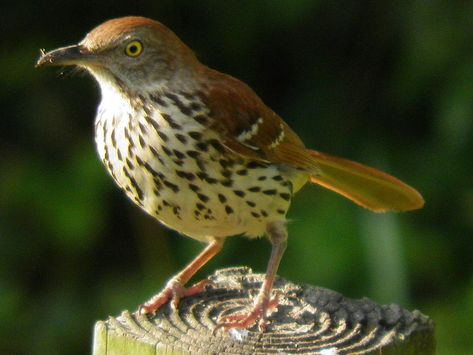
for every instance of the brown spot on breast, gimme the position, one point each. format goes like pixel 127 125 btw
pixel 181 138
pixel 195 135
pixel 158 99
pixel 172 186
pixel 239 193
pixel 202 197
pixel 163 136
pixel 285 196
pixel 203 120
pixel 178 154
pixel 170 121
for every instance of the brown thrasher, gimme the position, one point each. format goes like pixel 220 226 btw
pixel 199 151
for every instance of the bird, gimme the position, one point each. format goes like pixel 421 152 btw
pixel 200 152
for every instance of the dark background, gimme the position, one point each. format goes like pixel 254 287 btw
pixel 387 83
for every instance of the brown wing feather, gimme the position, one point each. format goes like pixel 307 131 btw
pixel 251 129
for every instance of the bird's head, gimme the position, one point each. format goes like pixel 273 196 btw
pixel 134 52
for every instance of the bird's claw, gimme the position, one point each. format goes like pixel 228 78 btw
pixel 244 320
pixel 173 292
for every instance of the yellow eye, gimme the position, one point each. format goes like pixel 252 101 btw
pixel 134 49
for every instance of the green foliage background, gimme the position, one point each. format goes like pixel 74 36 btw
pixel 387 83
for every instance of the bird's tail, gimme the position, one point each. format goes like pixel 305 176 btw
pixel 368 187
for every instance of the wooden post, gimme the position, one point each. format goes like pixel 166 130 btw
pixel 309 320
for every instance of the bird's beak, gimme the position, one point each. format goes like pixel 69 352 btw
pixel 70 55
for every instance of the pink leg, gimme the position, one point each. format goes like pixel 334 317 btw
pixel 175 289
pixel 277 234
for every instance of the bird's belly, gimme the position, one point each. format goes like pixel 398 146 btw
pixel 205 209
pixel 212 201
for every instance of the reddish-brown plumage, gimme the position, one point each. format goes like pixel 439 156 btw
pixel 202 153
pixel 107 33
pixel 236 109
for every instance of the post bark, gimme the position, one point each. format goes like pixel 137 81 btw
pixel 308 320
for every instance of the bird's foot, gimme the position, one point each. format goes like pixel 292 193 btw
pixel 173 292
pixel 258 314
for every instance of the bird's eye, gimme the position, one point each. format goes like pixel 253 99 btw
pixel 134 48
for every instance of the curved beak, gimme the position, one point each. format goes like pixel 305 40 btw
pixel 70 55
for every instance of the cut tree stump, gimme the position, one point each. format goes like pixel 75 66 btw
pixel 308 320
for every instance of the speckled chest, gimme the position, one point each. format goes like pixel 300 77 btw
pixel 158 149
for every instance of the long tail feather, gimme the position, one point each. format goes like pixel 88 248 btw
pixel 368 187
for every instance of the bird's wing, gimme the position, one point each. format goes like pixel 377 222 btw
pixel 251 129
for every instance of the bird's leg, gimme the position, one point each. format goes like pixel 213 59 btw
pixel 175 289
pixel 277 235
